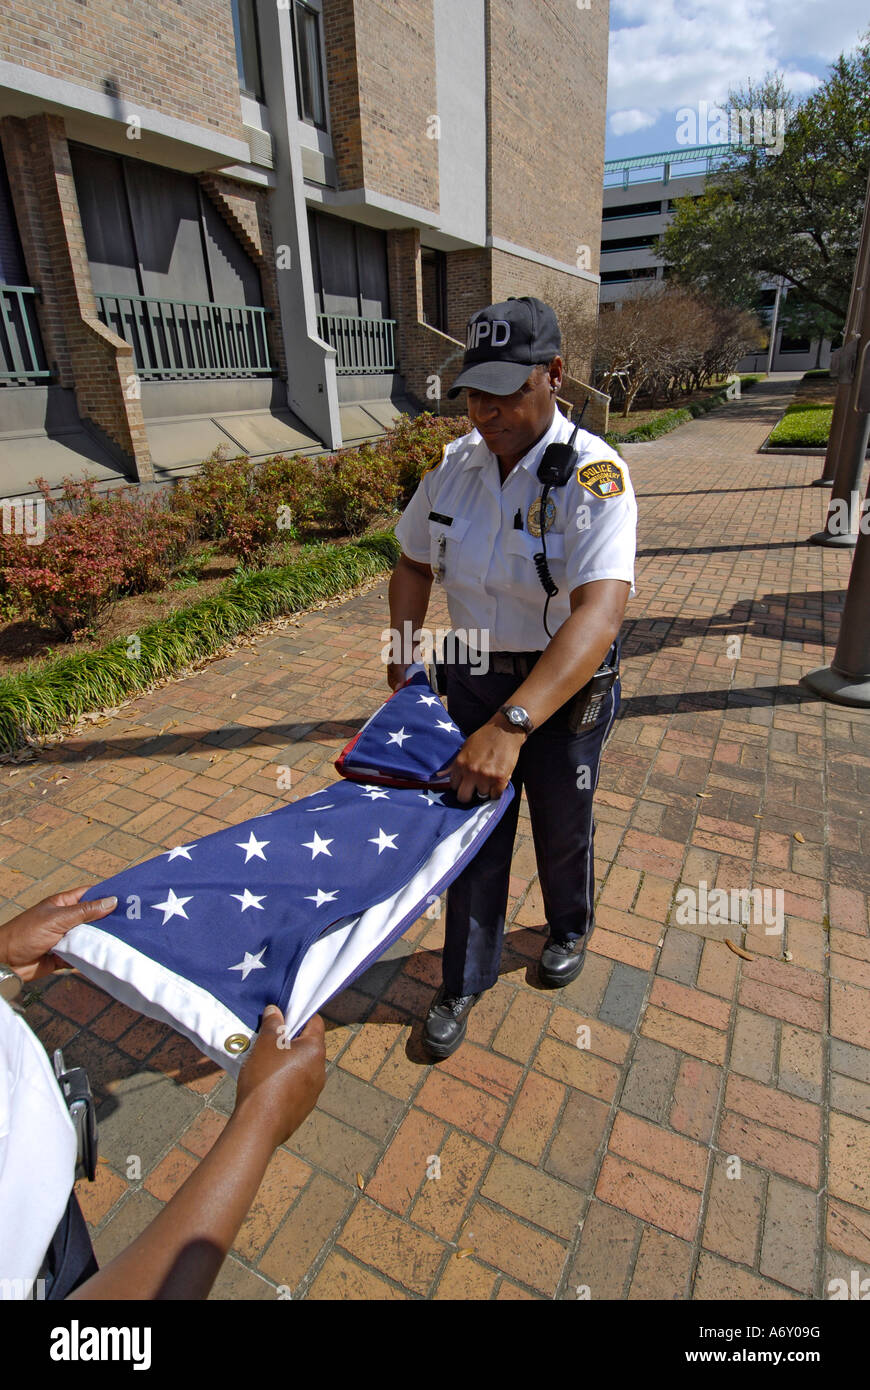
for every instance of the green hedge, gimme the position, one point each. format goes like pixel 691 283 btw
pixel 39 703
pixel 670 419
pixel 804 425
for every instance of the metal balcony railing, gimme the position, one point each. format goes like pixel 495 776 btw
pixel 363 347
pixel 21 355
pixel 180 339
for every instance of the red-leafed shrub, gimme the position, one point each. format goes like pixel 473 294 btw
pixel 95 548
pixel 358 485
pixel 414 445
pixel 251 505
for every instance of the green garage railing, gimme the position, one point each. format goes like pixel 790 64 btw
pixel 21 355
pixel 363 347
pixel 178 338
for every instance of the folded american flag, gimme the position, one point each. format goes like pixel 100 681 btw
pixel 291 906
pixel 407 741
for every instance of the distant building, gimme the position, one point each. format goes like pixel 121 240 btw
pixel 264 225
pixel 639 196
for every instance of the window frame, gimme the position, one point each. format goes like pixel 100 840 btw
pixel 253 95
pixel 297 63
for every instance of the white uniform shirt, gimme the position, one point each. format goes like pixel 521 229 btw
pixel 486 564
pixel 37 1154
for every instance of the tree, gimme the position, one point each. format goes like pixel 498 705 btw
pixel 795 213
pixel 577 322
pixel 664 339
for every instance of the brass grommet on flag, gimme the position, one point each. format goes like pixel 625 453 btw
pixel 237 1042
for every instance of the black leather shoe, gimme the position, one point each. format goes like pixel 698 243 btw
pixel 562 961
pixel 446 1023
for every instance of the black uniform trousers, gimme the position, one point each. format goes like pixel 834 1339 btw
pixel 559 771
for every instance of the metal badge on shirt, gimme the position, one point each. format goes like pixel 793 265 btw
pixel 533 519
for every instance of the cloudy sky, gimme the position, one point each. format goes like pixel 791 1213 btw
pixel 671 54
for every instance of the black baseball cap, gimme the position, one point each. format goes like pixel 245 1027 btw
pixel 504 342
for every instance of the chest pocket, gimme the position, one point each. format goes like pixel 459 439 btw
pixel 444 544
pixel 523 543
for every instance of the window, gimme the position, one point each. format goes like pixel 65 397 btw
pixel 12 271
pixel 248 49
pixel 614 277
pixel 151 231
pixel 309 65
pixel 787 344
pixel 631 210
pixel 627 243
pixel 349 262
pixel 434 272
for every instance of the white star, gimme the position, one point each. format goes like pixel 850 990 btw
pixel 384 841
pixel 446 724
pixel 250 963
pixel 398 737
pixel 253 848
pixel 173 907
pixel 249 900
pixel 376 794
pixel 180 852
pixel 317 846
pixel 320 898
pixel 432 797
pixel 428 700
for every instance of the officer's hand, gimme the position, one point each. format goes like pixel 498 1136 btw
pixel 485 762
pixel 397 674
pixel 26 942
pixel 281 1078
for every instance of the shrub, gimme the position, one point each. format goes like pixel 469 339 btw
pixel 357 486
pixel 96 547
pixel 413 445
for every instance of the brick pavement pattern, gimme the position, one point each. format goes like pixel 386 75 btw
pixel 679 1122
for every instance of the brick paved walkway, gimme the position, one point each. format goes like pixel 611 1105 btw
pixel 607 1166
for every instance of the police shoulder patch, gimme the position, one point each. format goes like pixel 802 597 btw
pixel 604 478
pixel 433 466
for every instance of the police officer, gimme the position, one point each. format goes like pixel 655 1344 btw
pixel 476 524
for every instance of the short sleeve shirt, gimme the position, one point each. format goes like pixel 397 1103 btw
pixel 481 537
pixel 37 1154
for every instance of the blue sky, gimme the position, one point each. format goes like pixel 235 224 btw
pixel 671 54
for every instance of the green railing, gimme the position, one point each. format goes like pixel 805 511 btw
pixel 177 338
pixel 363 347
pixel 21 355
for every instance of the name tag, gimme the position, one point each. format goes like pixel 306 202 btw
pixel 439 516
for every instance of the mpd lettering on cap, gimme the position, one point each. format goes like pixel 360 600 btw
pixel 498 331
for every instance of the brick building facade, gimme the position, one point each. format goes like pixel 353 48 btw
pixel 269 258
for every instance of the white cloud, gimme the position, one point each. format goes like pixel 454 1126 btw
pixel 627 122
pixel 677 53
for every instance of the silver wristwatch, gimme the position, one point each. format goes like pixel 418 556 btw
pixel 516 715
pixel 10 983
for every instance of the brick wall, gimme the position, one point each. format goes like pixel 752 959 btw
pixel 514 275
pixel 380 58
pixel 246 212
pixel 423 353
pixel 547 93
pixel 469 288
pixel 176 56
pixel 86 354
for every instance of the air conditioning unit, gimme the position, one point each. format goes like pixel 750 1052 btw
pixel 260 144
